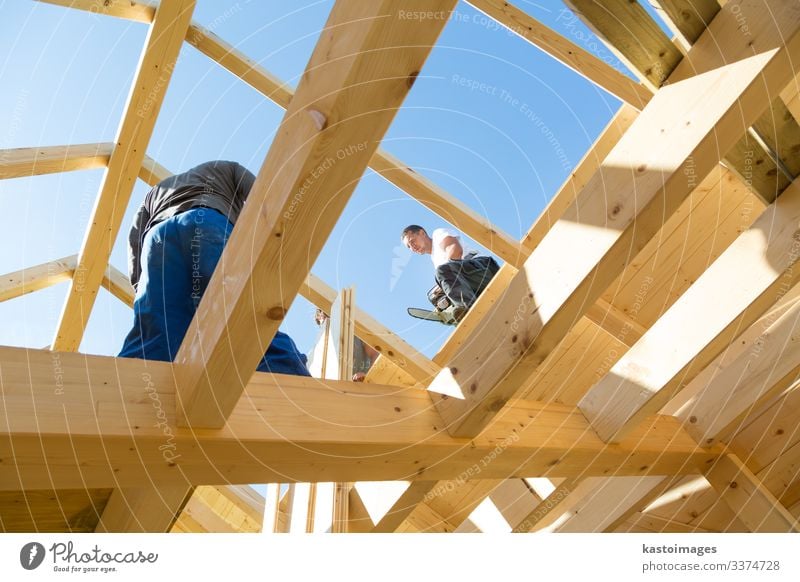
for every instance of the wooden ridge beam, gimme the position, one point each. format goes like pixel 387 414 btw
pixel 702 323
pixel 747 496
pixel 111 422
pixel 622 206
pixel 150 83
pixel 22 162
pixel 30 279
pixel 357 77
pixel 565 51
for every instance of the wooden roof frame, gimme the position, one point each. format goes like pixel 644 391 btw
pixel 612 431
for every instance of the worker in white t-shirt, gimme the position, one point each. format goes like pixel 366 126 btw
pixel 460 271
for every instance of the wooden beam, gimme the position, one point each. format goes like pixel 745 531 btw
pixel 560 501
pixel 625 203
pixel 363 67
pixel 448 207
pixel 568 53
pixel 632 35
pixel 703 322
pixel 342 327
pixel 152 172
pixel 111 422
pixel 687 18
pixel 22 162
pixel 747 496
pixel 580 176
pixel 358 519
pixel 129 9
pixel 118 285
pixel 151 81
pixel 151 509
pixel 32 279
pixel 341 500
pixel 759 366
pixel 374 333
pixel 413 495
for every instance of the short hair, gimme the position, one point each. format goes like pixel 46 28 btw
pixel 412 229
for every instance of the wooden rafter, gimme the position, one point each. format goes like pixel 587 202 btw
pixel 162 46
pixel 568 53
pixel 343 104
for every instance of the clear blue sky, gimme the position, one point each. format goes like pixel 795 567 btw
pixel 65 76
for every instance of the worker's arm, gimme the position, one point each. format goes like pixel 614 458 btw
pixel 452 248
pixel 135 241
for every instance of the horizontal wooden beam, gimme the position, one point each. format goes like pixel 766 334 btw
pixel 38 277
pixel 93 421
pixel 22 162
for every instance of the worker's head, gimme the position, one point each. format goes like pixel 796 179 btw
pixel 320 316
pixel 416 239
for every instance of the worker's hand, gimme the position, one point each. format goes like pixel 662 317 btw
pixel 359 377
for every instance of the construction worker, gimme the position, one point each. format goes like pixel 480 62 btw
pixel 461 273
pixel 174 245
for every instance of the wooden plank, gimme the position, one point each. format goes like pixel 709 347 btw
pixel 95 422
pixel 402 508
pixel 271 505
pixel 360 72
pixel 702 322
pixel 358 519
pixel 760 365
pixel 687 18
pixel 448 207
pixel 151 509
pixel 128 9
pixel 341 500
pixel 619 210
pixel 38 277
pixel 632 35
pixel 49 511
pixel 342 326
pixel 22 162
pixel 611 497
pixel 568 53
pixel 152 172
pixel 748 498
pixel 151 81
pixel 560 501
pixel 371 331
pixel 118 285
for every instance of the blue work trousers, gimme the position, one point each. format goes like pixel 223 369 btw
pixel 178 258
